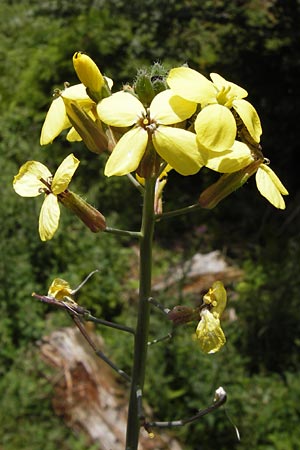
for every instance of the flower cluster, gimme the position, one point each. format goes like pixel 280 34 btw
pixel 181 121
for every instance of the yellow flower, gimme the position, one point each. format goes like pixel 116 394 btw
pixel 176 146
pixel 209 332
pixel 60 290
pixel 270 186
pixel 215 125
pixel 34 179
pixel 57 119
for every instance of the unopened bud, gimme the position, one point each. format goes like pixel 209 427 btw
pixel 89 215
pixel 88 72
pixel 226 184
pixel 89 130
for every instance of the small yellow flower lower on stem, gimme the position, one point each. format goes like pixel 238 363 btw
pixel 209 332
pixel 35 179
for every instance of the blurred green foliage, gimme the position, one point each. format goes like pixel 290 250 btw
pixel 253 43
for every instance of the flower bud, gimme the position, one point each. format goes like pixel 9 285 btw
pixel 88 72
pixel 90 131
pixel 226 184
pixel 89 215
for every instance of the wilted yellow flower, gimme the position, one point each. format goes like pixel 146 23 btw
pixel 209 332
pixel 34 179
pixel 176 146
pixel 60 290
pixel 215 125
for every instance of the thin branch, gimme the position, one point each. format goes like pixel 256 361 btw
pixel 78 313
pixel 220 399
pixel 161 339
pixel 159 305
pixel 84 281
pixel 135 183
pixel 89 318
pixel 178 212
pixel 119 232
pixel 98 352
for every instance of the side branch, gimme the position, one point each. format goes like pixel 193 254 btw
pixel 178 212
pixel 220 399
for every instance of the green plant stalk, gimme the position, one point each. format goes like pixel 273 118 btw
pixel 142 327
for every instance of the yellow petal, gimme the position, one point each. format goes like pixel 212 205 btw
pixel 77 92
pixel 217 298
pixel 128 153
pixel 121 109
pixel 249 117
pixel 49 217
pixel 55 122
pixel 178 148
pixel 168 108
pixel 193 86
pixel 64 174
pixel 270 186
pixel 227 161
pixel 216 128
pixel 59 289
pixel 235 90
pixel 73 136
pixel 209 332
pixel 109 82
pixel 27 183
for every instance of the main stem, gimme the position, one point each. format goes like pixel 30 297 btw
pixel 142 327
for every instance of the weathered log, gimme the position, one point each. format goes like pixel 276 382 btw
pixel 87 394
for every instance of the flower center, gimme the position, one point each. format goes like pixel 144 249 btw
pixel 224 98
pixel 150 125
pixel 47 189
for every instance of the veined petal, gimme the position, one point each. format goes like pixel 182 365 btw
pixel 128 153
pixel 216 128
pixel 193 86
pixel 55 122
pixel 270 186
pixel 28 181
pixel 209 332
pixel 49 217
pixel 121 109
pixel 235 90
pixel 168 108
pixel 227 161
pixel 179 148
pixel 64 174
pixel 250 118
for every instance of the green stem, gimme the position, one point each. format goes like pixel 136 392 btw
pixel 142 327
